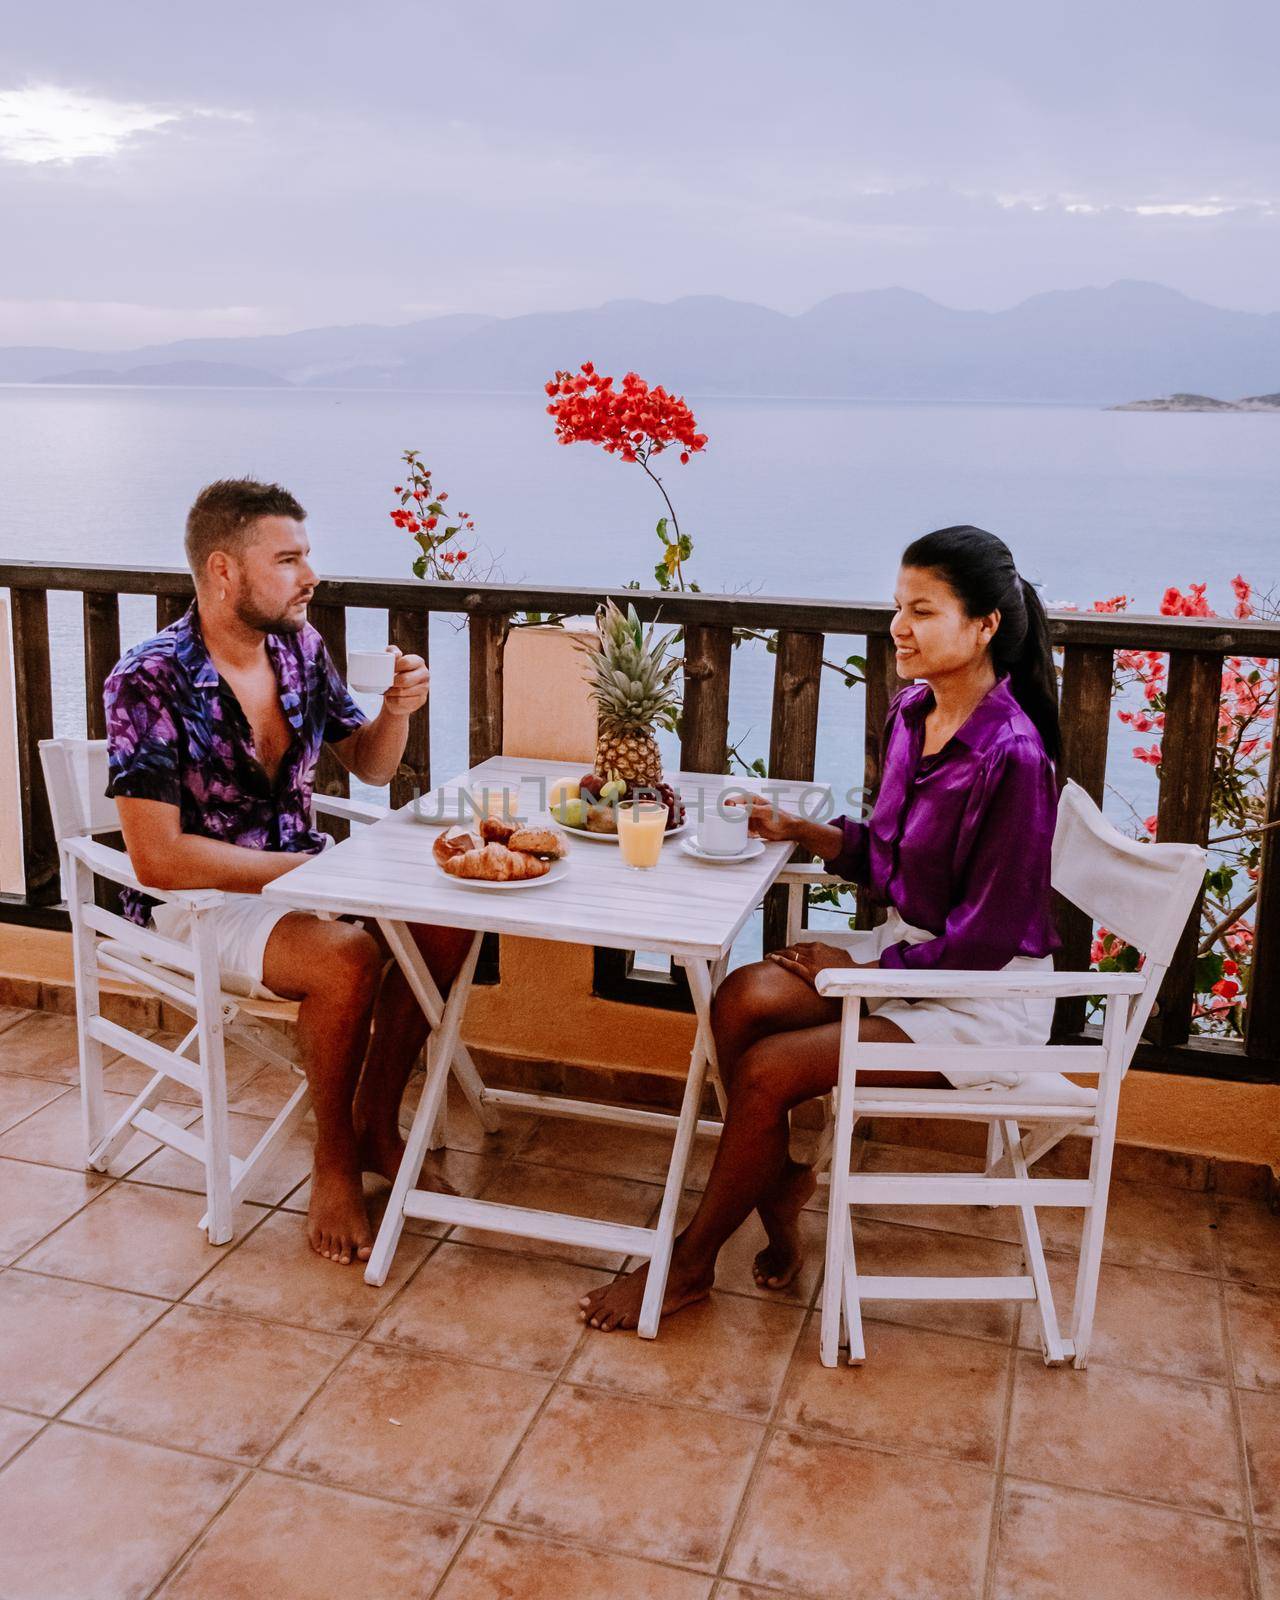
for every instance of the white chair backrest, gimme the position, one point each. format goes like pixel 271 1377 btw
pixel 1142 892
pixel 75 774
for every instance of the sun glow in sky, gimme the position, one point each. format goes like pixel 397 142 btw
pixel 42 123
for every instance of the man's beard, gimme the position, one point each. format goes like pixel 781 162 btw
pixel 254 617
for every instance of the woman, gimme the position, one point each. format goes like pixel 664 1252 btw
pixel 957 849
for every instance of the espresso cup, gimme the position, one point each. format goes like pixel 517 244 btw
pixel 722 830
pixel 370 671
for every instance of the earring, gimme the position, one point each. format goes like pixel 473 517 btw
pixel 222 594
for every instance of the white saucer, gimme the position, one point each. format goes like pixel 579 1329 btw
pixel 753 848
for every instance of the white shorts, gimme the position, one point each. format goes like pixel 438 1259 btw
pixel 241 928
pixel 993 1023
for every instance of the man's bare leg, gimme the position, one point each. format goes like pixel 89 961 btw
pixel 772 1076
pixel 332 969
pixel 398 1033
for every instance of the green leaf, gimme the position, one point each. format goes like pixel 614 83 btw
pixel 662 575
pixel 858 663
pixel 686 547
pixel 662 529
pixel 420 566
pixel 1208 971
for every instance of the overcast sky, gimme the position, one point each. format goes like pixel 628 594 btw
pixel 168 170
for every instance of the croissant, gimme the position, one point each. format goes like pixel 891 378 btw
pixel 493 830
pixel 461 857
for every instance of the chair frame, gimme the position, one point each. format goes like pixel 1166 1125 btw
pixel 1020 1128
pixel 183 974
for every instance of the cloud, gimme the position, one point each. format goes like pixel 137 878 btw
pixel 43 123
pixel 112 324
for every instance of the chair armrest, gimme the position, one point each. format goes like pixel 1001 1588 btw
pixel 883 982
pixel 810 874
pixel 334 805
pixel 115 865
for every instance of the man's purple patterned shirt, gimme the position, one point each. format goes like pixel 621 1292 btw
pixel 177 733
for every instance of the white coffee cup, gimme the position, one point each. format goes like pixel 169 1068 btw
pixel 370 671
pixel 722 830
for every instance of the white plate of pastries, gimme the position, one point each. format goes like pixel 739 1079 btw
pixel 502 855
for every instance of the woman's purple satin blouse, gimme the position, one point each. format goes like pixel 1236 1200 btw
pixel 960 841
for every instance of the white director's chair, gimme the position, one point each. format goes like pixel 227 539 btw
pixel 1142 892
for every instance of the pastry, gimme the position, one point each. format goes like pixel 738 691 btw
pixel 537 841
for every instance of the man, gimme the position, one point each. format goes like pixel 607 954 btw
pixel 214 727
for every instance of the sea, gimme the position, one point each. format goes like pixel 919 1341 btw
pixel 791 498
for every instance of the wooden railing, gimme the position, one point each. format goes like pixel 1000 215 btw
pixel 1196 649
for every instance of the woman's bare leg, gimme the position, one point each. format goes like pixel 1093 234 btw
pixel 769 1077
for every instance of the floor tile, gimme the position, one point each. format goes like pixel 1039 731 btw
pixel 1254 1317
pixel 288 1166
pixel 499 1564
pixel 41 1367
pixel 21 1097
pixel 467 1173
pixel 830 1520
pixel 206 1381
pixel 485 1305
pixel 631 1477
pixel 1126 1432
pixel 1056 1542
pixel 578 1145
pixel 548 1189
pixel 728 1353
pixel 1167 1322
pixel 1146 1226
pixel 276 1274
pixel 748 1591
pixel 9 1015
pixel 34 1200
pixel 1249 1235
pixel 429 1430
pixel 284 1540
pixel 265 1093
pixel 883 1248
pixel 918 1391
pixel 1268 1564
pixel 463 1126
pixel 16 1429
pixel 1260 1414
pixel 55 1134
pixel 43 1045
pixel 137 1238
pixel 135 1510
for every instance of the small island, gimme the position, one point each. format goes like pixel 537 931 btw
pixel 1203 402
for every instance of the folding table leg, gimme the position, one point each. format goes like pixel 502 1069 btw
pixel 1033 1249
pixel 427 993
pixel 424 1118
pixel 703 1055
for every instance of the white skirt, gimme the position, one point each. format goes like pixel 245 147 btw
pixel 993 1023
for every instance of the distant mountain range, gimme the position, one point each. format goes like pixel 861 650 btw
pixel 1084 346
pixel 1204 402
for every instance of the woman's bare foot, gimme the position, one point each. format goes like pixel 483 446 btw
pixel 617 1304
pixel 778 1265
pixel 337 1222
pixel 382 1154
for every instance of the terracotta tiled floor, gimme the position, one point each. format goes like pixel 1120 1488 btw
pixel 252 1423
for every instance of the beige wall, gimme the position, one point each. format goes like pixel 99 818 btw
pixel 10 821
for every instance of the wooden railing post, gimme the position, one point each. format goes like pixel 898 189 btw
pixel 1262 1014
pixel 1189 748
pixel 793 739
pixel 882 684
pixel 409 630
pixel 33 694
pixel 704 719
pixel 101 652
pixel 331 776
pixel 169 609
pixel 1085 719
pixel 488 637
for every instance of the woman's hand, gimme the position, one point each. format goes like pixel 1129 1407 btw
pixel 768 822
pixel 807 959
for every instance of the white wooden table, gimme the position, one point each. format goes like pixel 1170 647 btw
pixel 690 910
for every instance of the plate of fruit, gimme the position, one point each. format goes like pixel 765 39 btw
pixel 592 811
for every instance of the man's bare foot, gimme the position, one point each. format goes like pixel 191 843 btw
pixel 382 1154
pixel 617 1304
pixel 778 1265
pixel 337 1222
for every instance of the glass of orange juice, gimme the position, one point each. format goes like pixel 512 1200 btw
pixel 641 827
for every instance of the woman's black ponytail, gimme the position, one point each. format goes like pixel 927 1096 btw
pixel 981 570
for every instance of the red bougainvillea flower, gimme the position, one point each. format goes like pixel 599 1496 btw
pixel 633 421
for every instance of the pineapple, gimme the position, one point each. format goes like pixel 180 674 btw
pixel 633 689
